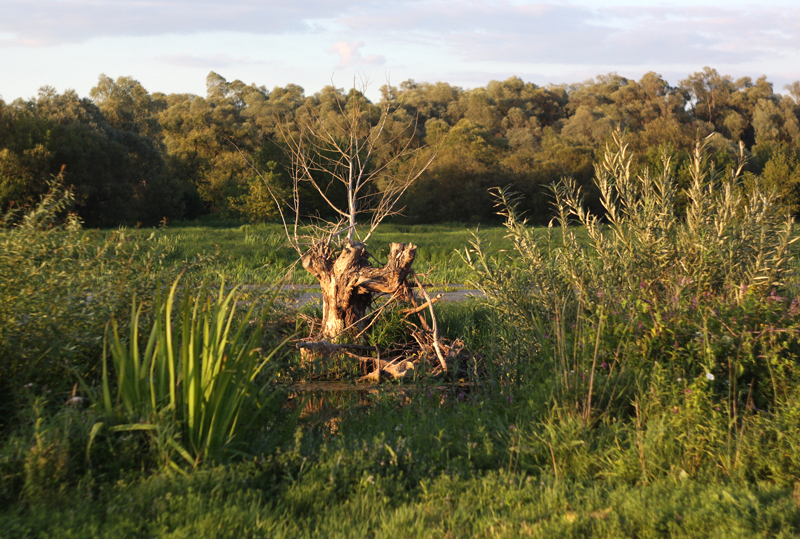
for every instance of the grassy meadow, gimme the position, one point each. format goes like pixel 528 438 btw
pixel 631 377
pixel 260 253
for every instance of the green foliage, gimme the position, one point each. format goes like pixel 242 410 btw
pixel 182 155
pixel 59 286
pixel 781 173
pixel 641 380
pixel 198 378
pixel 648 286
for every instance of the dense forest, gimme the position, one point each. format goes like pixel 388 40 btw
pixel 134 157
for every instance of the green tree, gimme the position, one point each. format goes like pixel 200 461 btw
pixel 708 93
pixel 127 106
pixel 782 173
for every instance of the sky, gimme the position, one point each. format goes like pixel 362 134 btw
pixel 171 46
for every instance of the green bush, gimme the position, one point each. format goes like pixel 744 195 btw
pixel 648 284
pixel 58 288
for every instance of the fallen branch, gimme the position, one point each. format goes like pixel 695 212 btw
pixel 415 310
pixel 436 346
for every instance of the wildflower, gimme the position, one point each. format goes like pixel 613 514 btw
pixel 710 377
pixel 688 391
pixel 774 297
pixel 604 365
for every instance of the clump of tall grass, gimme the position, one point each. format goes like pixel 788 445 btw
pixel 193 386
pixel 698 293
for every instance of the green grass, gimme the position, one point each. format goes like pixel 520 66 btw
pixel 259 254
pixel 437 465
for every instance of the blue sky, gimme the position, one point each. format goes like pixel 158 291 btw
pixel 171 45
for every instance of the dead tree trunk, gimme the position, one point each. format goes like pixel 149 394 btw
pixel 349 282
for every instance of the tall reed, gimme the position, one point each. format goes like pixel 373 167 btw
pixel 643 284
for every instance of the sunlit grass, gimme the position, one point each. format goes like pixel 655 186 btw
pixel 259 254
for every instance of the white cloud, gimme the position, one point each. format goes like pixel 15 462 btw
pixel 350 55
pixel 556 33
pixel 173 43
pixel 52 22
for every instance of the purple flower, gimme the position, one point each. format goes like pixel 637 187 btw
pixel 774 297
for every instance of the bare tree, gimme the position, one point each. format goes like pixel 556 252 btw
pixel 370 151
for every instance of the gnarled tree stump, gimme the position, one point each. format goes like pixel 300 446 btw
pixel 349 282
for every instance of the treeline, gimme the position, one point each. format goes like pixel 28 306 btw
pixel 132 157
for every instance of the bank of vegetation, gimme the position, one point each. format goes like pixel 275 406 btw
pixel 640 379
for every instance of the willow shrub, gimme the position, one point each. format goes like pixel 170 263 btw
pixel 58 286
pixel 697 294
pixel 192 387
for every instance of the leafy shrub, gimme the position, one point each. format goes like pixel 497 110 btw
pixel 58 287
pixel 697 293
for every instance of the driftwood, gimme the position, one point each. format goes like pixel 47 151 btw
pixel 329 347
pixel 436 345
pixel 397 368
pixel 428 351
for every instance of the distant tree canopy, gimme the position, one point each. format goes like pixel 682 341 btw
pixel 134 157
